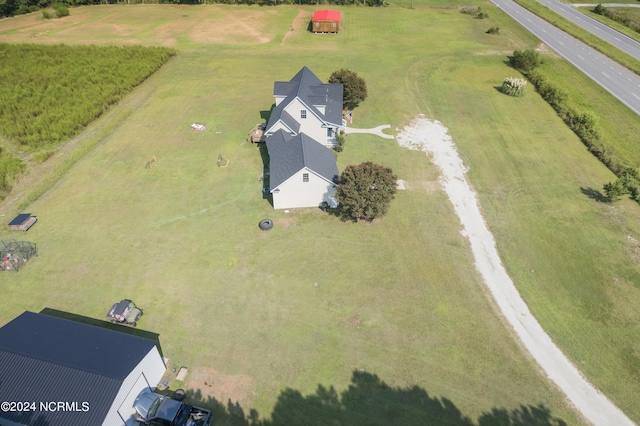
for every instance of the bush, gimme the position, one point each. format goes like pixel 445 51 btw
pixel 474 11
pixel 493 30
pixel 61 10
pixel 340 140
pixel 513 86
pixel 525 60
pixel 49 14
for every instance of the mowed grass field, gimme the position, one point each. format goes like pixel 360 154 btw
pixel 251 313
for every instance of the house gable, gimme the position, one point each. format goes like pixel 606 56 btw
pixel 306 188
pixel 324 101
pixel 290 154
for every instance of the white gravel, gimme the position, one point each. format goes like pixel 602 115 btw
pixel 433 138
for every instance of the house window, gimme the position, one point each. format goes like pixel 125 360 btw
pixel 303 113
pixel 305 177
pixel 334 25
pixel 329 132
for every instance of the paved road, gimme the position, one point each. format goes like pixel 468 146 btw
pixel 613 77
pixel 613 37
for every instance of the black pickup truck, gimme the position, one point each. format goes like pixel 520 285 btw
pixel 157 410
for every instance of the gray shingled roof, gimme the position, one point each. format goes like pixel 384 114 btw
pixel 45 358
pixel 289 154
pixel 311 91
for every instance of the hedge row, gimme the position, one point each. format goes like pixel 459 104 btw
pixel 18 7
pixel 583 124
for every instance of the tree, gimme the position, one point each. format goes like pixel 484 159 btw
pixel 354 87
pixel 365 191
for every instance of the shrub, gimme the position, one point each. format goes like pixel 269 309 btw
pixel 481 14
pixel 61 10
pixel 613 191
pixel 340 140
pixel 493 30
pixel 513 86
pixel 49 14
pixel 469 10
pixel 525 60
pixel 474 11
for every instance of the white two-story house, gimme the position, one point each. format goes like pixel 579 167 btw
pixel 301 130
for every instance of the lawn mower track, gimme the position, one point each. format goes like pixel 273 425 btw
pixel 433 138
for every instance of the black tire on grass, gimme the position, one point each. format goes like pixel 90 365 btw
pixel 265 224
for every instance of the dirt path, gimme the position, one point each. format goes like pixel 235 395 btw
pixel 433 138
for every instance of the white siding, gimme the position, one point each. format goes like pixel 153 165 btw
pixel 310 126
pixel 146 374
pixel 294 193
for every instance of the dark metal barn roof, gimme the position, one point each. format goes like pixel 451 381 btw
pixel 45 358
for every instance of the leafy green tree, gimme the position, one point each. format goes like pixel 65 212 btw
pixel 365 191
pixel 525 60
pixel 354 87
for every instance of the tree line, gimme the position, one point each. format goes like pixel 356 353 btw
pixel 19 7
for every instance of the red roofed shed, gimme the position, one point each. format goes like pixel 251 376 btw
pixel 325 21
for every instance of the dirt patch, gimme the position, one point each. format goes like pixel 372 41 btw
pixel 494 52
pixel 287 222
pixel 222 387
pixel 431 186
pixel 238 27
pixel 546 50
pixel 355 320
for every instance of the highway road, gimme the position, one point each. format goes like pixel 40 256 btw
pixel 613 77
pixel 619 40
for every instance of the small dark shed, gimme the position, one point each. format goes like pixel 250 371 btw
pixel 22 222
pixel 325 21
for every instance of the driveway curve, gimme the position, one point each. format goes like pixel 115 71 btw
pixel 433 138
pixel 374 131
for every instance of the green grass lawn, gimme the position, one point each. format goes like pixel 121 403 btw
pixel 315 299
